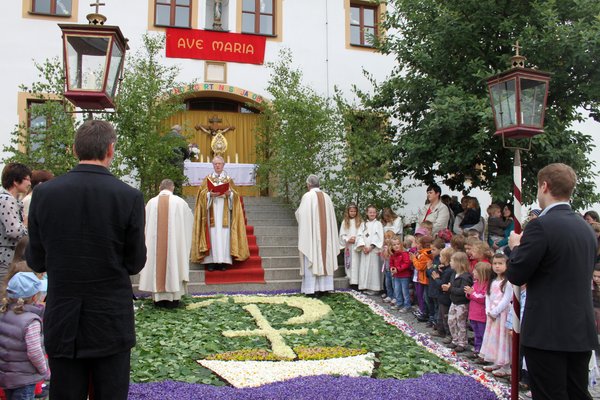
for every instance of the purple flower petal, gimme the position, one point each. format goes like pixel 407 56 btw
pixel 429 386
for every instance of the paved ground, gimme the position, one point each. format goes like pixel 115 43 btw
pixel 420 327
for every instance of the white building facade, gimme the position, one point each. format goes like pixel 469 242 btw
pixel 328 40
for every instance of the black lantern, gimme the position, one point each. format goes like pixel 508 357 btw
pixel 518 99
pixel 94 55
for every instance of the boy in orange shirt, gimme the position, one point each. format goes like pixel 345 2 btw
pixel 420 262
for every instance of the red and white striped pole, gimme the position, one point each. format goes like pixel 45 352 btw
pixel 516 317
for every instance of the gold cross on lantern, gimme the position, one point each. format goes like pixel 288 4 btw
pixel 97 4
pixel 517 48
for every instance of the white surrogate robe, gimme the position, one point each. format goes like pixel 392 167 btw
pixel 220 236
pixel 395 227
pixel 318 241
pixel 168 243
pixel 351 256
pixel 370 277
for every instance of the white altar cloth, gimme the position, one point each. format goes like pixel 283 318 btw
pixel 242 174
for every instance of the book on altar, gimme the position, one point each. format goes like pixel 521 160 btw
pixel 219 188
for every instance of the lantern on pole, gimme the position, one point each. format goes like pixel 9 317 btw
pixel 93 57
pixel 518 98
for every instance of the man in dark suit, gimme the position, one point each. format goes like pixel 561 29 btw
pixel 555 258
pixel 87 231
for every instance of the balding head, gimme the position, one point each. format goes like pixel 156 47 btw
pixel 167 184
pixel 312 181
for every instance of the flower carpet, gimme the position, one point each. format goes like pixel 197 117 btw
pixel 288 346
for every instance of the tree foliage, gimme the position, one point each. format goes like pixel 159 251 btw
pixel 295 133
pixel 438 96
pixel 365 144
pixel 47 143
pixel 144 102
pixel 302 132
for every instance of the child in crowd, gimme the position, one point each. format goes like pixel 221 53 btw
pixel 473 233
pixel 459 309
pixel 480 252
pixel 400 266
pixel 508 217
pixel 420 262
pixel 482 275
pixel 17 257
pixel 458 242
pixel 469 243
pixel 496 225
pixel 472 214
pixel 410 244
pixel 21 323
pixel 434 288
pixel 349 229
pixel 496 346
pixel 391 221
pixel 446 235
pixel 369 243
pixel 386 252
pixel 442 276
pixel 596 295
pixel 428 226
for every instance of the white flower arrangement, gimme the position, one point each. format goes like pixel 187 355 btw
pixel 313 310
pixel 275 336
pixel 256 373
pixel 194 151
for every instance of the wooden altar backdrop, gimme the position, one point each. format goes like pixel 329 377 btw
pixel 240 141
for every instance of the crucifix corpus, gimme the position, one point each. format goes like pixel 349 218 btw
pixel 218 143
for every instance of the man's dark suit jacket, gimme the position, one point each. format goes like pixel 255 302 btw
pixel 86 230
pixel 556 259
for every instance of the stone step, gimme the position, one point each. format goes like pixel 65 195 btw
pixel 270 215
pixel 283 284
pixel 271 274
pixel 283 273
pixel 278 251
pixel 277 240
pixel 279 273
pixel 281 262
pixel 276 233
pixel 275 230
pixel 274 222
pixel 263 201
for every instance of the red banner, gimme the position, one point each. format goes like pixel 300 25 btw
pixel 215 46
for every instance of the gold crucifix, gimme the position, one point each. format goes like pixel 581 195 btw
pixel 212 128
pixel 218 143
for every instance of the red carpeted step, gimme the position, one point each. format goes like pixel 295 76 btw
pixel 235 275
pixel 248 271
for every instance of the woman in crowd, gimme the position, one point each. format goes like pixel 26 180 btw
pixel 16 179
